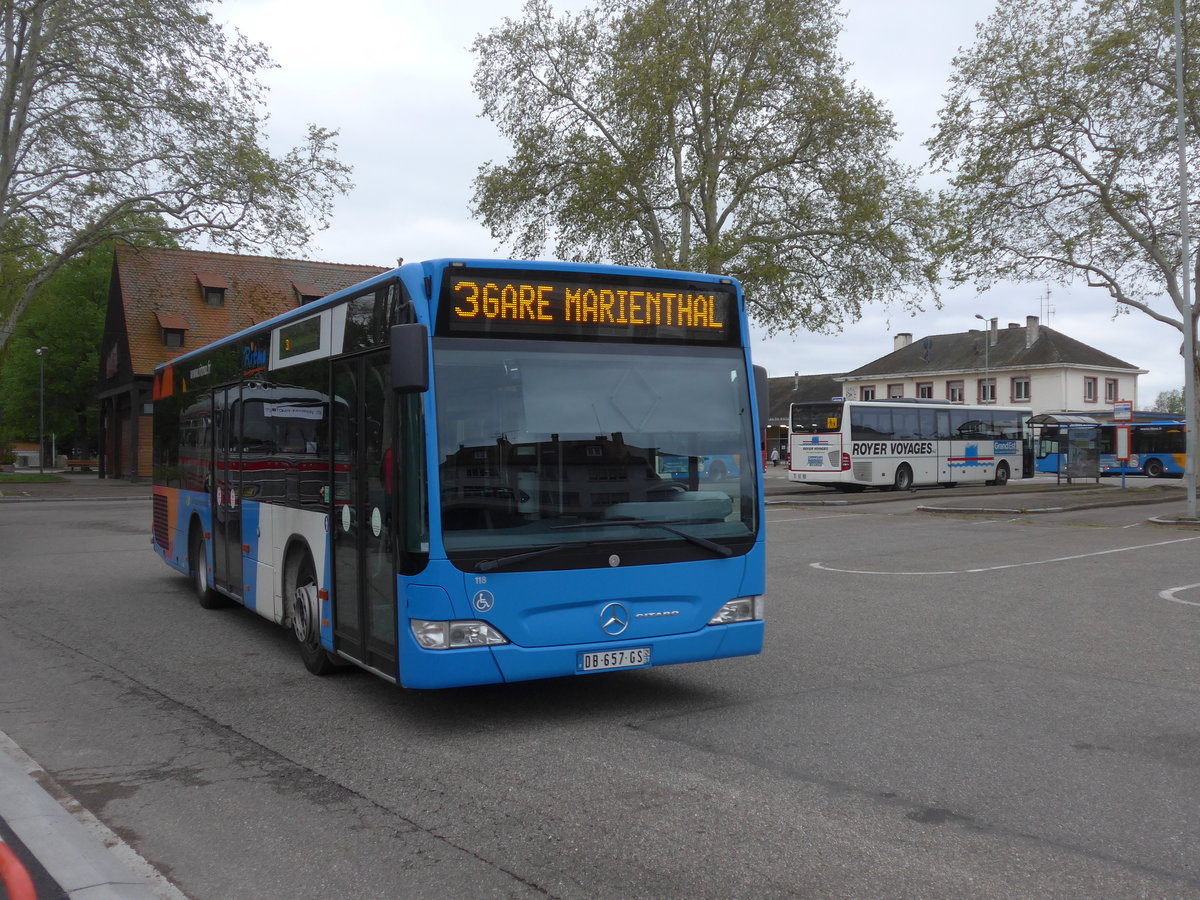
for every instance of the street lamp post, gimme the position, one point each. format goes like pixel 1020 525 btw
pixel 987 340
pixel 41 352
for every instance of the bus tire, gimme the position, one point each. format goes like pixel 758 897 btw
pixel 1153 468
pixel 716 471
pixel 1001 478
pixel 300 589
pixel 198 570
pixel 904 478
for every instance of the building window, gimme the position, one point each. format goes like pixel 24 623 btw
pixel 925 390
pixel 1020 390
pixel 895 391
pixel 1111 394
pixel 986 390
pixel 213 286
pixel 306 292
pixel 954 391
pixel 1089 390
pixel 867 393
pixel 173 327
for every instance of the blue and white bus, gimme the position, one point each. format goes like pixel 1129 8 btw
pixel 1157 448
pixel 450 474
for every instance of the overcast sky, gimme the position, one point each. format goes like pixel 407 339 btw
pixel 394 77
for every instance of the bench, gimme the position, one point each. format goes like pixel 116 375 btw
pixel 82 465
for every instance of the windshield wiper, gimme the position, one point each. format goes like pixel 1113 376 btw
pixel 489 565
pixel 719 549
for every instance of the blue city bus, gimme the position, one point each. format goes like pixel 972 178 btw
pixel 1157 448
pixel 451 473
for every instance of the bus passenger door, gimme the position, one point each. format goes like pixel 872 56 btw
pixel 944 447
pixel 227 485
pixel 362 527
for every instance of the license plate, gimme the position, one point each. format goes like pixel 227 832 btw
pixel 629 658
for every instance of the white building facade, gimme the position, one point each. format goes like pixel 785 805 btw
pixel 1029 365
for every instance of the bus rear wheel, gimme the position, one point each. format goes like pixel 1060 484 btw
pixel 300 587
pixel 198 570
pixel 1153 468
pixel 904 478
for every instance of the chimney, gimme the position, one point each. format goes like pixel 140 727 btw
pixel 902 340
pixel 993 331
pixel 1032 330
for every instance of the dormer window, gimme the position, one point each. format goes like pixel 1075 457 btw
pixel 306 292
pixel 213 286
pixel 174 328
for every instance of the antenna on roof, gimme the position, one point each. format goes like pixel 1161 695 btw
pixel 1046 309
pixel 399 261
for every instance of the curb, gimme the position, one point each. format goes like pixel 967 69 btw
pixel 1008 510
pixel 78 851
pixel 73 499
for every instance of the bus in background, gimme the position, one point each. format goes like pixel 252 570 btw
pixel 452 473
pixel 707 468
pixel 1157 448
pixel 900 444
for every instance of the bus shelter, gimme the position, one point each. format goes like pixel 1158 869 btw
pixel 1070 443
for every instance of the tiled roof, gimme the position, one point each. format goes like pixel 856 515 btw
pixel 160 285
pixel 966 352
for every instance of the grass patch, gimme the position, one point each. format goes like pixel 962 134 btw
pixel 28 478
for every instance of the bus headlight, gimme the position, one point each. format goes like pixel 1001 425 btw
pixel 454 634
pixel 743 609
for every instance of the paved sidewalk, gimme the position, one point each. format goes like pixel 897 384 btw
pixel 69 854
pixel 73 486
pixel 1040 494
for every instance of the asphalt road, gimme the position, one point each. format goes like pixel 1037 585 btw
pixel 948 705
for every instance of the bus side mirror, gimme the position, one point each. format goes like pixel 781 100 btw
pixel 762 395
pixel 410 358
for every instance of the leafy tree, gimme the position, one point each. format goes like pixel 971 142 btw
pixel 1170 402
pixel 67 317
pixel 718 135
pixel 113 107
pixel 1060 127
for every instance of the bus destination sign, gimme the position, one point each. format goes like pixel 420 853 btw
pixel 495 304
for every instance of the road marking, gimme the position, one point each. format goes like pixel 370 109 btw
pixel 1170 594
pixel 1018 565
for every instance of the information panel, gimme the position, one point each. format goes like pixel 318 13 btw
pixel 509 304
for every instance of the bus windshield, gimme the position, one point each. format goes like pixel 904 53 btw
pixel 542 445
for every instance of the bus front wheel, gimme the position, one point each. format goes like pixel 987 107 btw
pixel 1153 468
pixel 304 611
pixel 198 569
pixel 904 478
pixel 1001 478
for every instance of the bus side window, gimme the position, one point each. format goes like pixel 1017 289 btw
pixel 960 427
pixel 926 424
pixel 905 424
pixel 870 424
